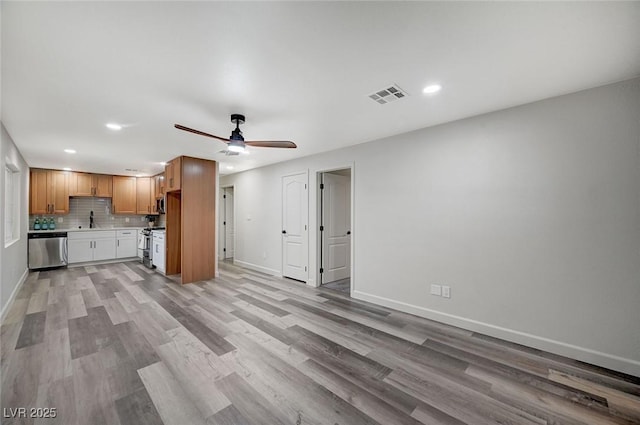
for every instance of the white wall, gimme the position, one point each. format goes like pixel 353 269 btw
pixel 530 214
pixel 13 259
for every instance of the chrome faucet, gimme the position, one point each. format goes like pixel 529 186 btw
pixel 91 225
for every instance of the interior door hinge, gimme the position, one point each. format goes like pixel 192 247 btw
pixel 224 249
pixel 321 186
pixel 224 196
pixel 305 268
pixel 224 223
pixel 321 270
pixel 305 185
pixel 322 228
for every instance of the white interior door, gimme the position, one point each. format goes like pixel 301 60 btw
pixel 228 229
pixel 336 225
pixel 222 232
pixel 295 213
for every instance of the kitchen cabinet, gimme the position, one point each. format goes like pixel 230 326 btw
pixel 124 195
pixel 91 246
pixel 158 248
pixel 173 175
pixel 144 197
pixel 86 184
pixel 49 192
pixel 159 185
pixel 126 243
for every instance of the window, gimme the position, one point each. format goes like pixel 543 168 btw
pixel 11 203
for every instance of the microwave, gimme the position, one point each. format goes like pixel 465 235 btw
pixel 160 205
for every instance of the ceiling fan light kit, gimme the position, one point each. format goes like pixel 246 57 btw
pixel 236 142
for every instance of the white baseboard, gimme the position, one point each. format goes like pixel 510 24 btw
pixel 14 293
pixel 257 268
pixel 587 355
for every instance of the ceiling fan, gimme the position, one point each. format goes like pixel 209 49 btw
pixel 236 142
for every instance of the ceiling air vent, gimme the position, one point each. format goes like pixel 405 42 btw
pixel 389 94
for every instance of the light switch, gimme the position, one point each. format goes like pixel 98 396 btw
pixel 436 290
pixel 446 291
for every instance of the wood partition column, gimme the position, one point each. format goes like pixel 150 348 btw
pixel 198 219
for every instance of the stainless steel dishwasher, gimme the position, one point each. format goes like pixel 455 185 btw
pixel 47 250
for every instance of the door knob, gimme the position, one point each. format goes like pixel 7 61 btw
pixel 284 232
pixel 348 232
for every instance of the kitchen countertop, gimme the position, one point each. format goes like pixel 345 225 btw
pixel 86 229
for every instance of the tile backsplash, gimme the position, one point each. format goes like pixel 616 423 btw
pixel 80 208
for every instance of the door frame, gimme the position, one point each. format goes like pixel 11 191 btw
pixel 222 236
pixel 318 245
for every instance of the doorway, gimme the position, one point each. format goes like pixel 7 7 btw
pixel 335 230
pixel 227 228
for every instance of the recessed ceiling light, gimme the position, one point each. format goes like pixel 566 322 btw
pixel 114 126
pixel 433 88
pixel 67 169
pixel 70 150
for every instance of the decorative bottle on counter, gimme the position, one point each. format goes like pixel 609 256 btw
pixel 52 224
pixel 36 224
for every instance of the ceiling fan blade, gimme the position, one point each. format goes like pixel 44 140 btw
pixel 271 144
pixel 200 133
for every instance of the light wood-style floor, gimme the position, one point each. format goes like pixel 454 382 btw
pixel 120 344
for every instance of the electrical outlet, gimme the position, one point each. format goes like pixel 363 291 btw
pixel 436 290
pixel 60 220
pixel 141 218
pixel 446 291
pixel 126 219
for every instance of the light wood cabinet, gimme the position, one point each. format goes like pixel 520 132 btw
pixel 159 179
pixel 49 192
pixel 173 175
pixel 86 184
pixel 103 185
pixel 124 195
pixel 145 199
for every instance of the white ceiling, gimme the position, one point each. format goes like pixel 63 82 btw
pixel 299 71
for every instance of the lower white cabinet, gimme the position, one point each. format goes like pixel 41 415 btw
pixel 126 243
pixel 158 253
pixel 91 246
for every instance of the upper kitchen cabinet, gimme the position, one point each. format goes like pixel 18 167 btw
pixel 103 185
pixel 159 179
pixel 124 195
pixel 49 192
pixel 86 184
pixel 145 195
pixel 173 175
